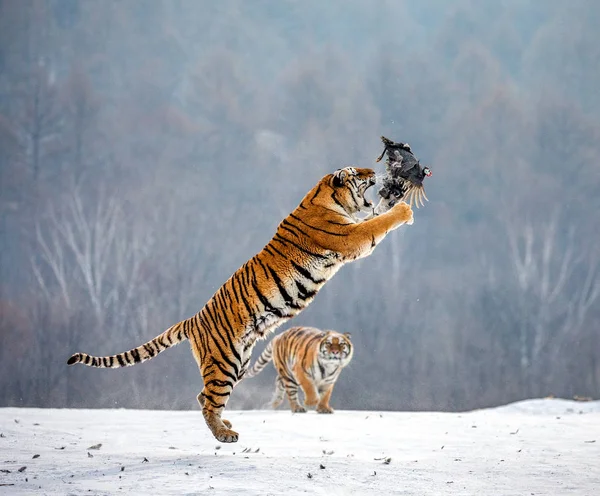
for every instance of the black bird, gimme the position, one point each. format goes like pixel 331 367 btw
pixel 404 173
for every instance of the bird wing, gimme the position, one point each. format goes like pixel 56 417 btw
pixel 406 165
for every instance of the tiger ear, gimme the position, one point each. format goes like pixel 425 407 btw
pixel 348 335
pixel 339 177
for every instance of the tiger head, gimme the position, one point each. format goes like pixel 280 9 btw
pixel 335 347
pixel 349 186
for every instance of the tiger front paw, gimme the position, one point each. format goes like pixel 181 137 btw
pixel 325 409
pixel 298 409
pixel 226 435
pixel 403 212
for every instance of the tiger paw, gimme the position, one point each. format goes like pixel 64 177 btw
pixel 325 409
pixel 404 212
pixel 298 409
pixel 227 423
pixel 227 436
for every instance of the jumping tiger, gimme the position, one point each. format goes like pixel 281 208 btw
pixel 309 246
pixel 309 358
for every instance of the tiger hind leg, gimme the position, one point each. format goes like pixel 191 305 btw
pixel 291 388
pixel 278 395
pixel 200 399
pixel 212 409
pixel 213 398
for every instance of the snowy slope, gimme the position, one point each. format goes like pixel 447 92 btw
pixel 549 447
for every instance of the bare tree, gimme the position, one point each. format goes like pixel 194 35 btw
pixel 87 238
pixel 557 282
pixel 84 138
pixel 86 262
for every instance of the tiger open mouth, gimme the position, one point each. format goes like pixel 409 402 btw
pixel 367 203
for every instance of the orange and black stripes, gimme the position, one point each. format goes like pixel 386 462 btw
pixel 172 336
pixel 306 358
pixel 310 246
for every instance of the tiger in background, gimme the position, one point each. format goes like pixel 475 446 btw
pixel 310 245
pixel 309 358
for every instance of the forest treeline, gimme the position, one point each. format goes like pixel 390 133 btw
pixel 147 149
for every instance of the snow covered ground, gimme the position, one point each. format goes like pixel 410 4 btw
pixel 536 447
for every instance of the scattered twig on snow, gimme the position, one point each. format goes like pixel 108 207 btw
pixel 249 450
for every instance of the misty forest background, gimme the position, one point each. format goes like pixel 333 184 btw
pixel 148 149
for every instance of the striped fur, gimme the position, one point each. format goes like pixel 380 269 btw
pixel 309 358
pixel 310 245
pixel 171 337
